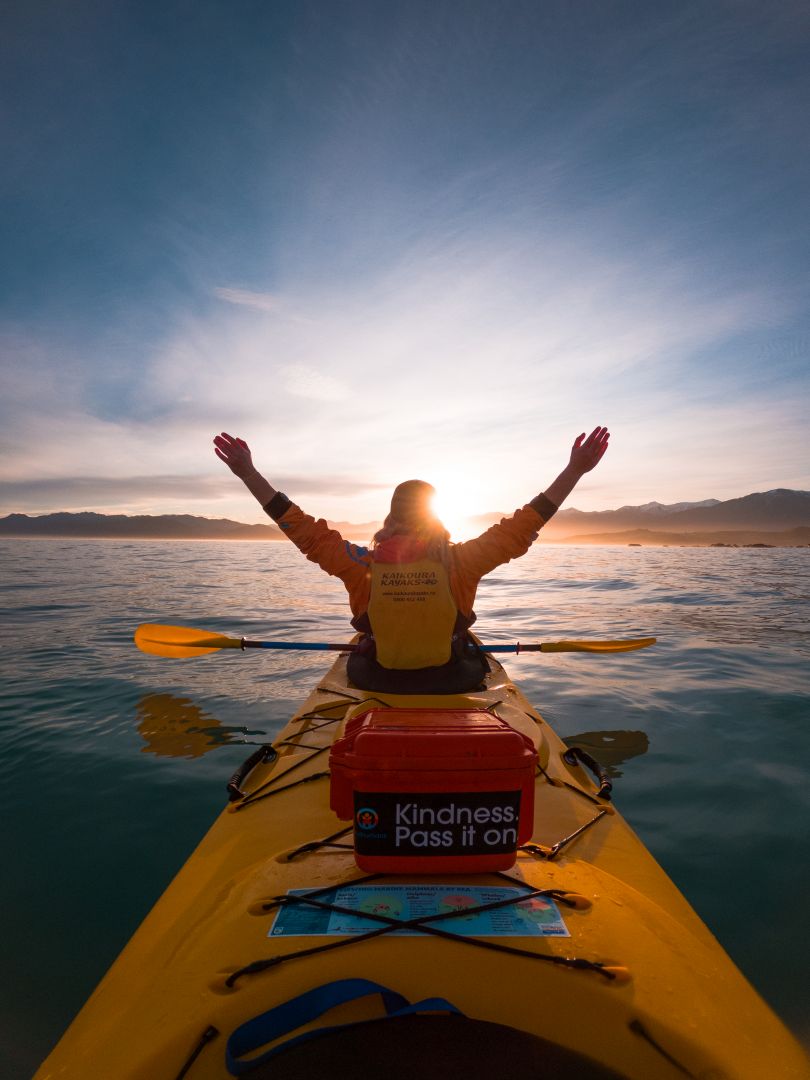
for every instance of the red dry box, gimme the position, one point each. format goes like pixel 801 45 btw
pixel 434 791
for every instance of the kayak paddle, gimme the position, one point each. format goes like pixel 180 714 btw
pixel 183 641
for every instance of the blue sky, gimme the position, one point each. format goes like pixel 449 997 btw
pixel 381 240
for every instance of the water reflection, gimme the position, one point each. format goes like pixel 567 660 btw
pixel 176 727
pixel 611 748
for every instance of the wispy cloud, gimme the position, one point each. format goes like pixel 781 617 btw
pixel 204 494
pixel 95 492
pixel 244 298
pixel 306 382
pixel 490 344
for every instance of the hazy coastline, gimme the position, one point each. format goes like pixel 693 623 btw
pixel 778 518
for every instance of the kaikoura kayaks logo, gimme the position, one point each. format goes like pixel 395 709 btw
pixel 367 818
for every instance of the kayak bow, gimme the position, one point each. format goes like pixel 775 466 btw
pixel 583 960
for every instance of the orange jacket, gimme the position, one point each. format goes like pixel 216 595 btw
pixel 469 561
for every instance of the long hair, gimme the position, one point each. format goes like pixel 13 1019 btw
pixel 411 515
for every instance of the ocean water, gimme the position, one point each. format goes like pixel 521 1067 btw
pixel 113 763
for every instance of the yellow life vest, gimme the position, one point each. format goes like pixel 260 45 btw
pixel 412 614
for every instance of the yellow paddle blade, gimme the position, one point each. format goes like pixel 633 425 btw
pixel 181 641
pixel 597 646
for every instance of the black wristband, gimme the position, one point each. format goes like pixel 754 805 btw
pixel 278 506
pixel 544 507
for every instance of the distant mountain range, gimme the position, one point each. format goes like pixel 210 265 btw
pixel 142 527
pixel 768 511
pixel 780 517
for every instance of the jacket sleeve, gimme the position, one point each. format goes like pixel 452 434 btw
pixel 325 546
pixel 510 538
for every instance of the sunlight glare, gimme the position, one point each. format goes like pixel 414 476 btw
pixel 454 503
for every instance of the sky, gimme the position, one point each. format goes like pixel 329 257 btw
pixel 382 240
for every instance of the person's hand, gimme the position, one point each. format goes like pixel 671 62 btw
pixel 235 453
pixel 587 455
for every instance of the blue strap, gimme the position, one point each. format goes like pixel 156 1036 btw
pixel 309 1006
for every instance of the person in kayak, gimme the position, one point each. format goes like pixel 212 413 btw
pixel 412 592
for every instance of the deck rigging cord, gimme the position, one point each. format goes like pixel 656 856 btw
pixel 423 923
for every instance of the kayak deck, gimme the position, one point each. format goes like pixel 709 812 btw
pixel 634 986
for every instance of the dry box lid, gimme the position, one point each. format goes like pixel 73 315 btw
pixel 432 739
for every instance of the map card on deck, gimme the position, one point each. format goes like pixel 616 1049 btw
pixel 536 916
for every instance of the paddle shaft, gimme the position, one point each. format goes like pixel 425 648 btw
pixel 517 647
pixel 311 646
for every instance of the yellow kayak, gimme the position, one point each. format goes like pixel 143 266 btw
pixel 273 953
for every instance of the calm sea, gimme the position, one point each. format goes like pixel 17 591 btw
pixel 114 763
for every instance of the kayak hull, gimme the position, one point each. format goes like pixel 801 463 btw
pixel 656 996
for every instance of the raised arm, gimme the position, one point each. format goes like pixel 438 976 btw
pixel 315 539
pixel 236 455
pixel 512 537
pixel 585 455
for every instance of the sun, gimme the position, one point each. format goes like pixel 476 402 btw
pixel 453 504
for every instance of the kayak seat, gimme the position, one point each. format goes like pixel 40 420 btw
pixel 427 1047
pixel 462 675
